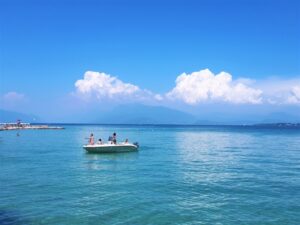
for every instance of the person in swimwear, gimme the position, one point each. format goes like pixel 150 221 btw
pixel 91 139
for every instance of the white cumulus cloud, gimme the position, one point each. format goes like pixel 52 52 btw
pixel 104 85
pixel 205 86
pixel 278 91
pixel 194 88
pixel 295 95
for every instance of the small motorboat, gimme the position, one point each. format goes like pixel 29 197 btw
pixel 111 148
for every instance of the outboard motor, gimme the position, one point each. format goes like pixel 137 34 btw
pixel 136 144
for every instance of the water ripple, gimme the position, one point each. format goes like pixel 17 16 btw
pixel 179 176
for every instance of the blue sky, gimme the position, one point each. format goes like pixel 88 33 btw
pixel 46 46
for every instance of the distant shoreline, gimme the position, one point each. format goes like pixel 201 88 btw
pixel 293 125
pixel 174 124
pixel 59 126
pixel 27 126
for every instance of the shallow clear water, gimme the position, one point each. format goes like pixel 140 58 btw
pixel 181 175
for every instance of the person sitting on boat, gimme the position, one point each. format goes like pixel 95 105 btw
pixel 126 141
pixel 99 142
pixel 91 139
pixel 114 138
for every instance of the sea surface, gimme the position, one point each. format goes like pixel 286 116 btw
pixel 180 175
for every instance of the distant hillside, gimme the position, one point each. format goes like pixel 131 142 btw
pixel 281 117
pixel 10 116
pixel 247 119
pixel 142 114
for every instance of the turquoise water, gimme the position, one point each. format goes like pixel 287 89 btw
pixel 181 175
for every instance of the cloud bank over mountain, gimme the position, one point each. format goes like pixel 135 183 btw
pixel 204 86
pixel 193 89
pixel 219 97
pixel 104 85
pixel 295 95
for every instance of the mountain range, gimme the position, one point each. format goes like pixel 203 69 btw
pixel 144 114
pixel 11 117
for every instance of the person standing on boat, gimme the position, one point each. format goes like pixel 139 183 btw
pixel 91 139
pixel 100 142
pixel 114 138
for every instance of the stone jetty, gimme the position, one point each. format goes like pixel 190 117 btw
pixel 27 126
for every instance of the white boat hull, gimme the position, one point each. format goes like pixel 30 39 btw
pixel 110 148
